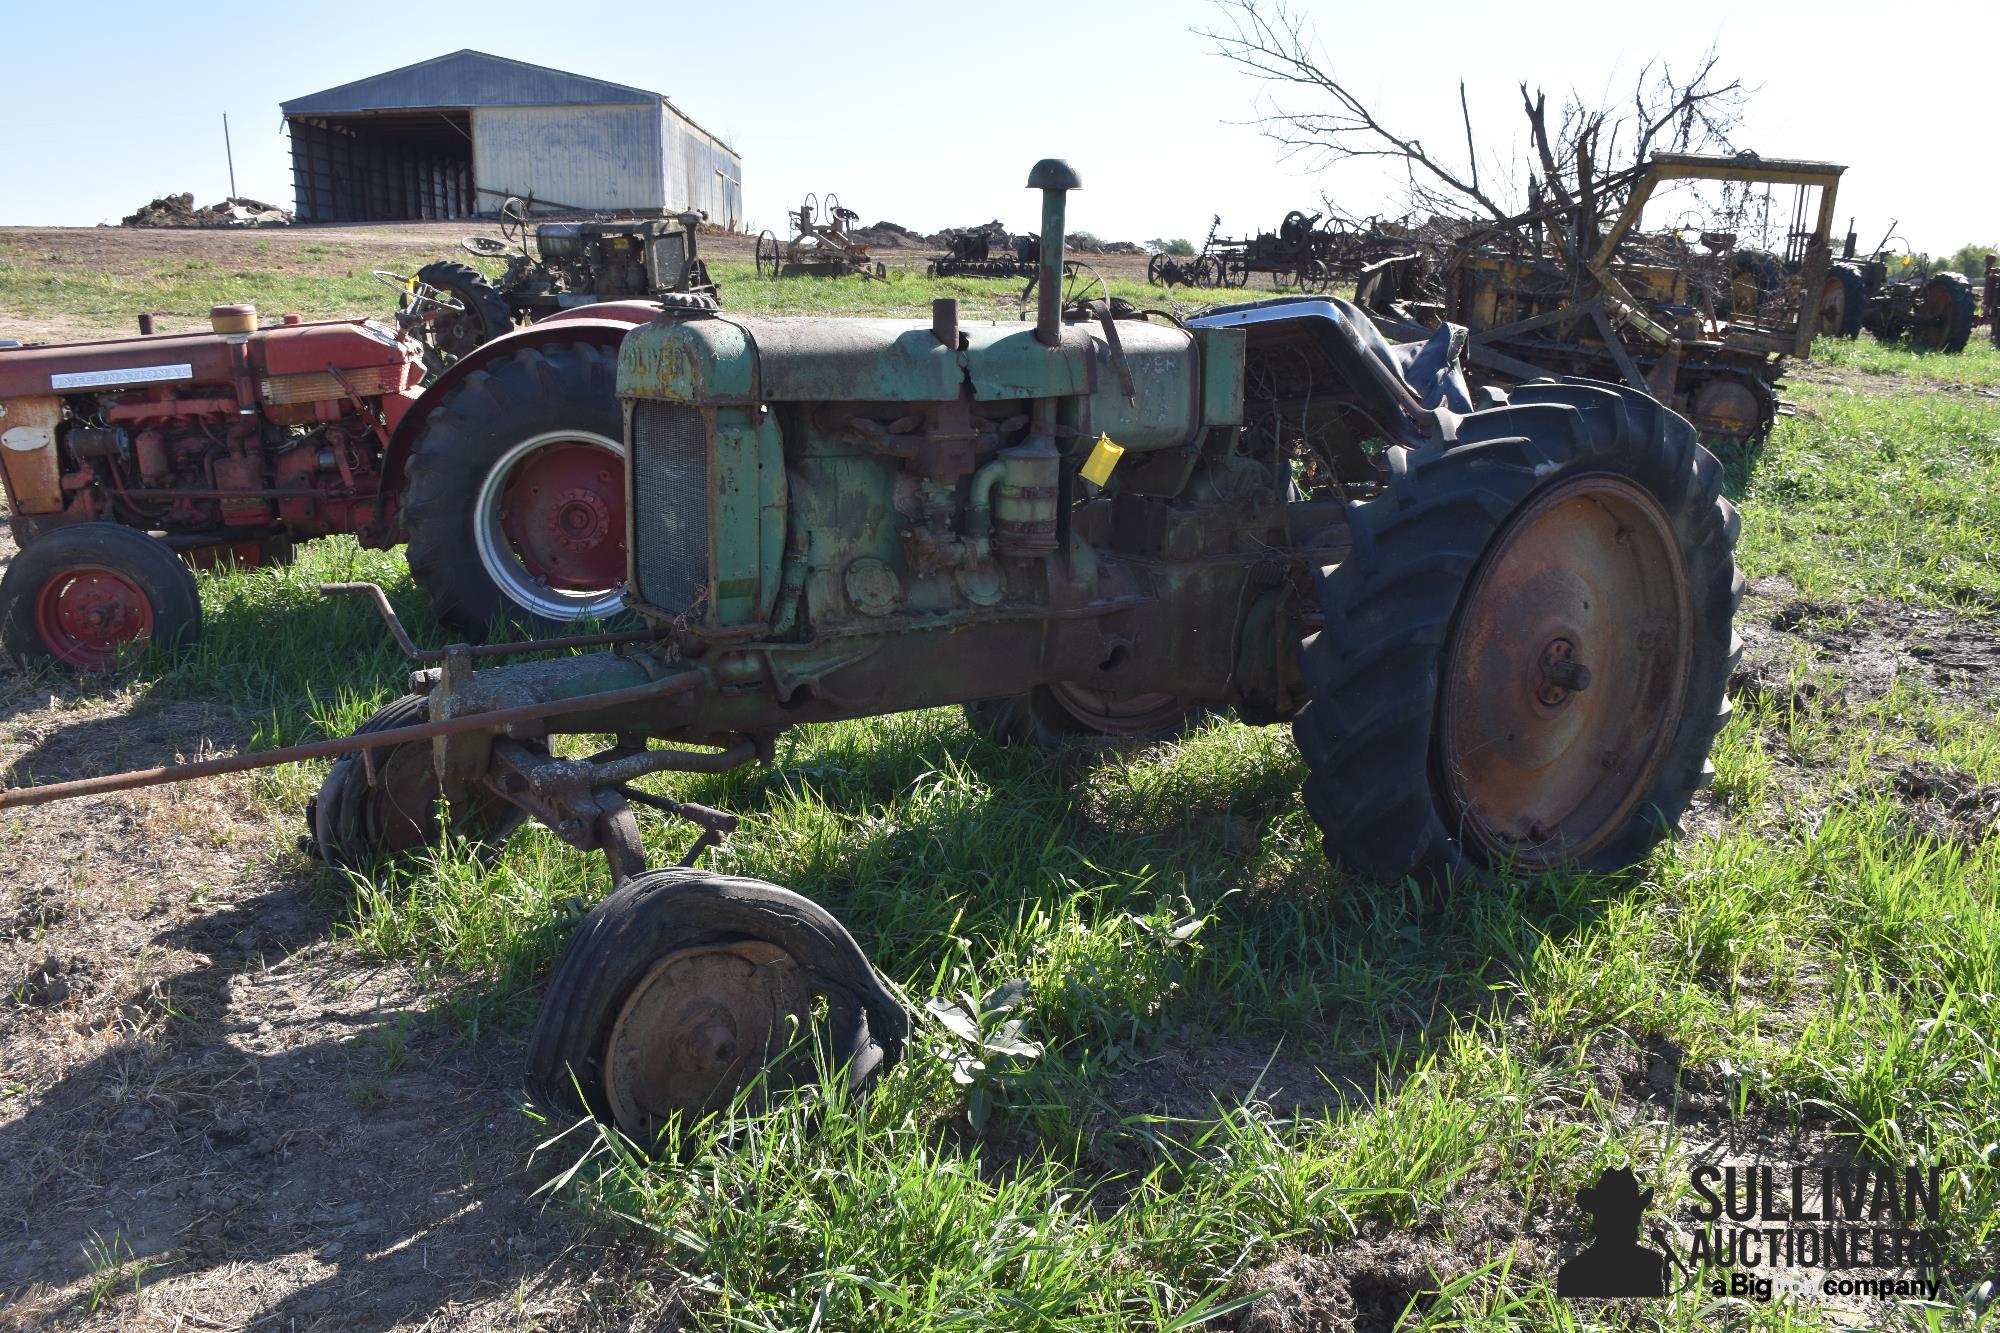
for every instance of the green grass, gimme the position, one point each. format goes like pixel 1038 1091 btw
pixel 1978 366
pixel 1875 494
pixel 35 284
pixel 1818 961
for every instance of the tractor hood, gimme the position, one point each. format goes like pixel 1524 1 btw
pixel 726 360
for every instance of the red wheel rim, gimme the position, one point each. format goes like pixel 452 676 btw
pixel 90 616
pixel 563 510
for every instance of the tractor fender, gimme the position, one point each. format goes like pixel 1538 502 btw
pixel 601 325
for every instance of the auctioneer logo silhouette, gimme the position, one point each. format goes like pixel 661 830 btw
pixel 1614 1263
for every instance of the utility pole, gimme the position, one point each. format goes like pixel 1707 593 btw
pixel 229 153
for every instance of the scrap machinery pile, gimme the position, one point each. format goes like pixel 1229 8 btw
pixel 1302 253
pixel 983 252
pixel 1935 311
pixel 1556 291
pixel 453 308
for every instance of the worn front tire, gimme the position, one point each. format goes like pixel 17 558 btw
pixel 1053 718
pixel 92 596
pixel 685 986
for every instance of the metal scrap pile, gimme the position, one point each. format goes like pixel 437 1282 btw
pixel 178 210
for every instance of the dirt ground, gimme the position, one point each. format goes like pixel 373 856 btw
pixel 206 1097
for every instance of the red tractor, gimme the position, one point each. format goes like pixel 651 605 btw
pixel 506 476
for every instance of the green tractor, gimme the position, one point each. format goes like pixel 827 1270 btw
pixel 1499 625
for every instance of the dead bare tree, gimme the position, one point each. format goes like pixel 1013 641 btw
pixel 1581 163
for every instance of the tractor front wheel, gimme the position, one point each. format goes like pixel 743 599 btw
pixel 1525 656
pixel 387 804
pixel 685 987
pixel 516 500
pixel 91 596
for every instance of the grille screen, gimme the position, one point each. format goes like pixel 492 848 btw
pixel 670 499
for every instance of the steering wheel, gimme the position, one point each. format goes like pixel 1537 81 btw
pixel 416 294
pixel 1081 284
pixel 514 222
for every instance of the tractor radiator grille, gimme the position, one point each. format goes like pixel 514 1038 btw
pixel 670 506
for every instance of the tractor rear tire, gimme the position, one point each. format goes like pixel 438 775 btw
pixel 1054 718
pixel 695 979
pixel 353 824
pixel 515 506
pixel 1945 319
pixel 1842 303
pixel 1525 656
pixel 486 316
pixel 92 596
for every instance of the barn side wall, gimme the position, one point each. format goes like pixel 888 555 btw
pixel 699 170
pixel 571 157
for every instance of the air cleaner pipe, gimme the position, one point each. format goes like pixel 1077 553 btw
pixel 1054 178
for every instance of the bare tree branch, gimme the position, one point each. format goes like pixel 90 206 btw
pixel 1585 161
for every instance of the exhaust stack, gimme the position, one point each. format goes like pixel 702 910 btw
pixel 1054 178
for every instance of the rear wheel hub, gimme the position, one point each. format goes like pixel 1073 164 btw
pixel 1565 674
pixel 551 524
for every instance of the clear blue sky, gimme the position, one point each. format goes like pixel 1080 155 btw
pixel 930 114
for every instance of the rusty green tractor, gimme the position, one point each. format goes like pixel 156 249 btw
pixel 1500 626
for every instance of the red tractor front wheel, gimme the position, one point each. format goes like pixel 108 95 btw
pixel 94 595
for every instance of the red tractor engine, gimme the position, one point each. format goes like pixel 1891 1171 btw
pixel 235 439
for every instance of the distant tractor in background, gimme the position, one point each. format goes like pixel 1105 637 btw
pixel 1935 311
pixel 452 308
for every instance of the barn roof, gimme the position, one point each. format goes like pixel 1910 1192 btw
pixel 467 79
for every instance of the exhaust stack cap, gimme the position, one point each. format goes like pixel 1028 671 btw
pixel 1052 173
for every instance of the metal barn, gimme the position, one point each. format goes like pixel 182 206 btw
pixel 454 136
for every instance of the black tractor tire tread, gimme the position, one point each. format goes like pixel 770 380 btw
pixel 518 392
pixel 1959 331
pixel 1855 286
pixel 339 816
pixel 468 284
pixel 659 911
pixel 1372 673
pixel 149 562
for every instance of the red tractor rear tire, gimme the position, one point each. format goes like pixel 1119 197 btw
pixel 91 596
pixel 515 506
